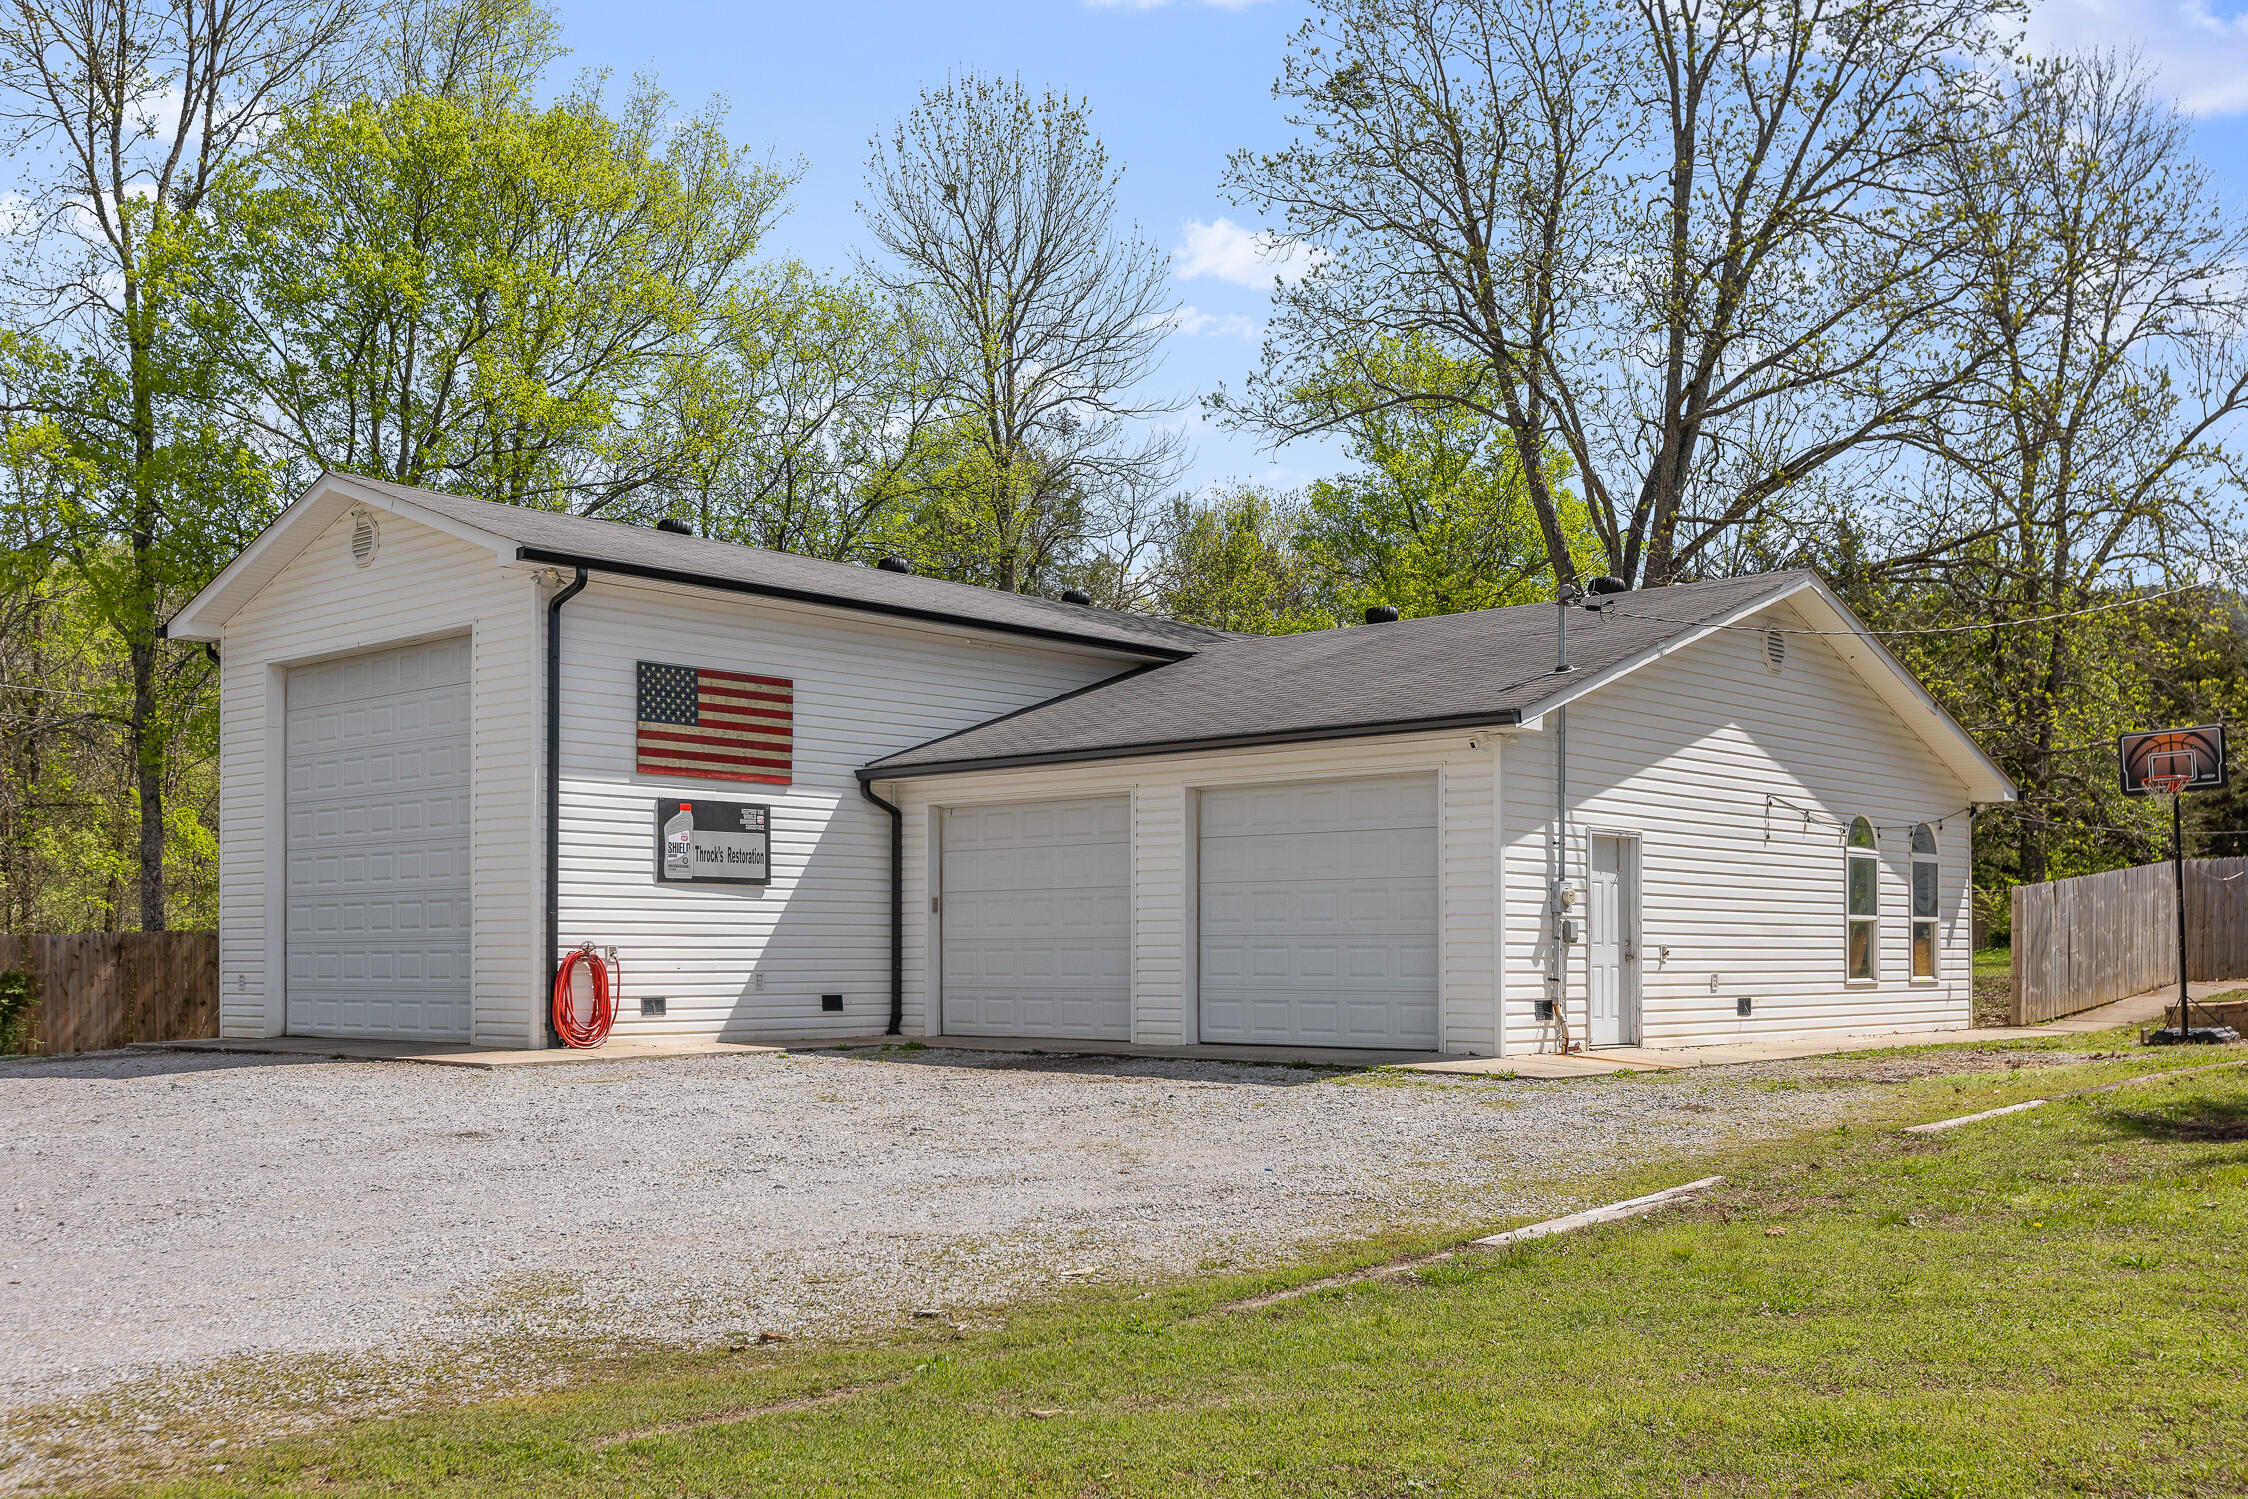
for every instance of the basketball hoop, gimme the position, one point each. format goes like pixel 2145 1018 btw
pixel 2171 762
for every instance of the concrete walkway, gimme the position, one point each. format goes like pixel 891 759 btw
pixel 2141 1009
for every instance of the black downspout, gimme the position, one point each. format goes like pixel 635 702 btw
pixel 554 794
pixel 897 908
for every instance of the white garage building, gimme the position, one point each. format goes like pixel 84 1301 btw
pixel 805 799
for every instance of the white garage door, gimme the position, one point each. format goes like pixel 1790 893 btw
pixel 378 845
pixel 1037 930
pixel 1319 913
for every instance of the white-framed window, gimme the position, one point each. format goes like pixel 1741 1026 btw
pixel 1861 863
pixel 1925 887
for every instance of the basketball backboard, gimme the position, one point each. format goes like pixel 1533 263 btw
pixel 2173 760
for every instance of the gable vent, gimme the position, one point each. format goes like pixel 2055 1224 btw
pixel 364 538
pixel 1775 649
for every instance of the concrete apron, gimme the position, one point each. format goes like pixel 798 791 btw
pixel 2141 1009
pixel 442 1054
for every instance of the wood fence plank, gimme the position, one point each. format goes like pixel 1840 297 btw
pixel 99 990
pixel 2102 937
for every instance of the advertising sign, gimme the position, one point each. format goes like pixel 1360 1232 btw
pixel 704 842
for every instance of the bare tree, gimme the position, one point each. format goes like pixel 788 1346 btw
pixel 125 115
pixel 1695 245
pixel 2096 456
pixel 996 211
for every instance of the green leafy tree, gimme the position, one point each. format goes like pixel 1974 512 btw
pixel 805 424
pixel 1438 517
pixel 462 289
pixel 1233 563
pixel 124 117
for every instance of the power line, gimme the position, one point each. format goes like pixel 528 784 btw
pixel 54 691
pixel 2001 624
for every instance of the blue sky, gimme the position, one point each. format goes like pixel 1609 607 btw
pixel 1174 85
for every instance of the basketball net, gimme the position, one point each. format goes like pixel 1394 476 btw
pixel 2170 785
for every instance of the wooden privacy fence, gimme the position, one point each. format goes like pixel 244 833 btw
pixel 107 989
pixel 2102 937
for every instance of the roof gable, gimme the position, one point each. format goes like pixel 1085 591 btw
pixel 516 533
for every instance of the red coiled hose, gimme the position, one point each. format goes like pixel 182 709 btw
pixel 595 1028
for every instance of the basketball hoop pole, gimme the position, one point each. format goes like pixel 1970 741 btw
pixel 2178 877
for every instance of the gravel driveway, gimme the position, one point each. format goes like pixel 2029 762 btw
pixel 169 1209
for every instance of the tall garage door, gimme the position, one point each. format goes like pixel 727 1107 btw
pixel 1037 929
pixel 1319 913
pixel 378 844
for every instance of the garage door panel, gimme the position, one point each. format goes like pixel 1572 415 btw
pixel 1313 807
pixel 1036 926
pixel 1402 908
pixel 377 833
pixel 1319 913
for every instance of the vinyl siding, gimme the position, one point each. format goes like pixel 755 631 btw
pixel 421 585
pixel 1687 754
pixel 745 961
pixel 1467 895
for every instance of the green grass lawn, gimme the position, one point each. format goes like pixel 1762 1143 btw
pixel 1994 962
pixel 2050 1303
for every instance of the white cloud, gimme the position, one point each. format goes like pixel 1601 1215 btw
pixel 1246 258
pixel 2198 56
pixel 1194 322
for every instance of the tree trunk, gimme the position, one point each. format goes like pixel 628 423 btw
pixel 146 738
pixel 145 735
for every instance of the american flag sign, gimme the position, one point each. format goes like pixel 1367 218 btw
pixel 715 725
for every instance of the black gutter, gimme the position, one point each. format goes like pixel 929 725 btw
pixel 883 770
pixel 554 791
pixel 832 601
pixel 897 906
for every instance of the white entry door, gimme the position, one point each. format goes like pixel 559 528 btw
pixel 1318 904
pixel 378 823
pixel 1036 923
pixel 1611 934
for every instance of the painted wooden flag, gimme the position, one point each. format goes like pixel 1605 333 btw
pixel 715 725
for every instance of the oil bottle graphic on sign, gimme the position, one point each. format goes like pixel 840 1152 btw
pixel 679 844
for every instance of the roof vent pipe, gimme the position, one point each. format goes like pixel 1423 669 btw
pixel 1382 614
pixel 1566 595
pixel 675 527
pixel 894 565
pixel 1076 596
pixel 1604 584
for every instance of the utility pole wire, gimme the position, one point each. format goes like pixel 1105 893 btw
pixel 1996 624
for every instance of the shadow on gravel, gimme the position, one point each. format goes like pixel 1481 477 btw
pixel 133 1062
pixel 1106 1069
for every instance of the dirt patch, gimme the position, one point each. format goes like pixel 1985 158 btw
pixel 1994 1001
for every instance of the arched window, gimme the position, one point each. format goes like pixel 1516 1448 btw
pixel 1925 885
pixel 1862 887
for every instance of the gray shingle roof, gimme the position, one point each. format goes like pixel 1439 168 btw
pixel 545 536
pixel 1454 670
